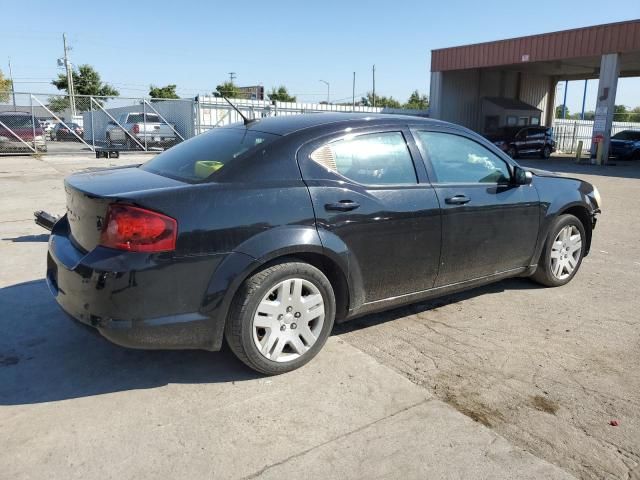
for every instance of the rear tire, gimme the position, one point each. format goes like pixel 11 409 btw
pixel 281 317
pixel 562 253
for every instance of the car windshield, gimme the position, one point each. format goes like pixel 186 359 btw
pixel 633 135
pixel 16 121
pixel 139 118
pixel 199 158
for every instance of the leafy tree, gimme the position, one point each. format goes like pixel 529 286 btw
pixel 590 115
pixel 621 113
pixel 281 94
pixel 634 115
pixel 229 90
pixel 168 91
pixel 562 114
pixel 5 87
pixel 381 101
pixel 86 81
pixel 417 101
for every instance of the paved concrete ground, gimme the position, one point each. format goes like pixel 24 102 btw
pixel 509 381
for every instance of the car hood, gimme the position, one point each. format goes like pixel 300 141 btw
pixel 545 173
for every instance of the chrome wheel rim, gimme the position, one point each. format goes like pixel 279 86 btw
pixel 565 252
pixel 288 320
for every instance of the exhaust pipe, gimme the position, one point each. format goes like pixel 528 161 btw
pixel 45 220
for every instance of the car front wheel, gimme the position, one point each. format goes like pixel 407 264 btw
pixel 562 253
pixel 512 152
pixel 281 317
pixel 546 152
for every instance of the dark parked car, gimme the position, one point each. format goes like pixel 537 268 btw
pixel 65 131
pixel 521 141
pixel 625 145
pixel 264 234
pixel 19 133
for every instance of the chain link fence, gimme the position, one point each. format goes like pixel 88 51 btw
pixel 51 123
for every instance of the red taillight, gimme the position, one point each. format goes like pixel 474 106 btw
pixel 135 128
pixel 138 230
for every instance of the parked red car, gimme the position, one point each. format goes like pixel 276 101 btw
pixel 19 133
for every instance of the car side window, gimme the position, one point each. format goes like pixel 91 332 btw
pixel 369 159
pixel 457 159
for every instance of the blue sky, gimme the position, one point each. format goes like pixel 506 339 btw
pixel 296 43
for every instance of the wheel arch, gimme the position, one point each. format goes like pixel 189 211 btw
pixel 581 213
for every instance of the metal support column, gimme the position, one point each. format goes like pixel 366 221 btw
pixel 607 87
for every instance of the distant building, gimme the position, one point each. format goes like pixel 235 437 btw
pixel 252 93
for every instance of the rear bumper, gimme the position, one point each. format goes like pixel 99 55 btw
pixel 134 300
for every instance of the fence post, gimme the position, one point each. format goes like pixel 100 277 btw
pixel 33 124
pixel 93 128
pixel 573 138
pixel 144 123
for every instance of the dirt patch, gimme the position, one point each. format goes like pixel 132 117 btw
pixel 475 411
pixel 544 404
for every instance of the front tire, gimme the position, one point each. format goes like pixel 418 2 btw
pixel 546 152
pixel 512 152
pixel 563 252
pixel 281 317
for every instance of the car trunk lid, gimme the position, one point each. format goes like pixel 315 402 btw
pixel 89 195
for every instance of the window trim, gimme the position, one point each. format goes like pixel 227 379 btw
pixel 315 145
pixel 433 175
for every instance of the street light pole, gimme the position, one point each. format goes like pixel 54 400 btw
pixel 13 87
pixel 69 70
pixel 328 89
pixel 353 92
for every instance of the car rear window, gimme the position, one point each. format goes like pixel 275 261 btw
pixel 16 121
pixel 201 157
pixel 139 118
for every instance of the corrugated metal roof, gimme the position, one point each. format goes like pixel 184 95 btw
pixel 581 42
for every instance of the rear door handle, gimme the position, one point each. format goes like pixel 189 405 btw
pixel 457 200
pixel 342 206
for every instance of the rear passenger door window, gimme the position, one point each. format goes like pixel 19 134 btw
pixel 457 159
pixel 369 159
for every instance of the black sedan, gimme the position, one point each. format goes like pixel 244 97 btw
pixel 625 145
pixel 67 131
pixel 519 141
pixel 267 233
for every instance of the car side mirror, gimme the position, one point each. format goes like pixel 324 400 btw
pixel 522 176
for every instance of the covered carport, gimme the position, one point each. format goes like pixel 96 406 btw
pixel 527 69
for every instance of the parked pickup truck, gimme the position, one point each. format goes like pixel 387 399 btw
pixel 149 131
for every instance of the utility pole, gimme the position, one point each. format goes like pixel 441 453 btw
pixel 353 92
pixel 69 70
pixel 328 89
pixel 374 86
pixel 232 76
pixel 13 87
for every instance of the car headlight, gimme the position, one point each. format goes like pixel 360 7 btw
pixel 597 197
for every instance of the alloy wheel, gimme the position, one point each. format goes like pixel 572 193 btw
pixel 288 320
pixel 565 252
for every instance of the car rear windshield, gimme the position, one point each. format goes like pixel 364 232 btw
pixel 201 157
pixel 139 118
pixel 627 135
pixel 16 121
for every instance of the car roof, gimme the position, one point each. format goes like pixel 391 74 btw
pixel 287 124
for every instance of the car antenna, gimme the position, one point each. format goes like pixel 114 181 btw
pixel 245 120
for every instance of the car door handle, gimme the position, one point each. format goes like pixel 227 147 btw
pixel 342 206
pixel 457 200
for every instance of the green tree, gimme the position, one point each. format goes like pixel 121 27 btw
pixel 6 87
pixel 560 114
pixel 589 115
pixel 229 90
pixel 417 101
pixel 168 91
pixel 621 113
pixel 381 101
pixel 281 94
pixel 634 115
pixel 86 81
